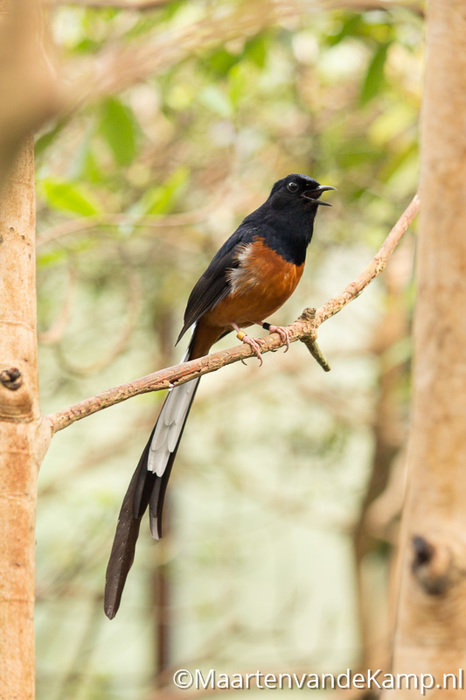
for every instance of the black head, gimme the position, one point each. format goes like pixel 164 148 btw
pixel 287 217
pixel 298 191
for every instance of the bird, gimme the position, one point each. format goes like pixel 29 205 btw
pixel 253 273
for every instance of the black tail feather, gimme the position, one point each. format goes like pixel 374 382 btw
pixel 144 481
pixel 124 544
pixel 146 489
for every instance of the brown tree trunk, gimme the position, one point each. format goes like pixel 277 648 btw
pixel 19 429
pixel 29 93
pixel 431 622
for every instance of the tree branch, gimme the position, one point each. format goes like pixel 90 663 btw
pixel 304 329
pixel 119 66
pixel 87 223
pixel 139 5
pixel 375 267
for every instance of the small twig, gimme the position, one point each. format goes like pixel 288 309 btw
pixel 304 328
pixel 310 341
pixel 318 355
pixel 87 223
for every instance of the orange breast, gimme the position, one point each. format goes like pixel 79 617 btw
pixel 260 285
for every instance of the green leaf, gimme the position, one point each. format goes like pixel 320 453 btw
pixel 120 129
pixel 256 50
pixel 88 45
pixel 375 76
pixel 69 197
pixel 220 62
pixel 237 85
pixel 161 199
pixel 357 152
pixel 52 257
pixel 350 26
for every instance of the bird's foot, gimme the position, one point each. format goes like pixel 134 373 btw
pixel 282 331
pixel 254 343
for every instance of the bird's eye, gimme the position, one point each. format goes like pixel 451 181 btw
pixel 293 186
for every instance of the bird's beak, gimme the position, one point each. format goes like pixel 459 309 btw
pixel 313 195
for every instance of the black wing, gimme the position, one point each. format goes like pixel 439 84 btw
pixel 214 284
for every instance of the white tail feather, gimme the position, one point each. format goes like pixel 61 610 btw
pixel 170 426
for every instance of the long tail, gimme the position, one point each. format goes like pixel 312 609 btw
pixel 147 488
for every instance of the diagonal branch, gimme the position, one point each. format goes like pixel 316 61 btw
pixel 375 267
pixel 304 329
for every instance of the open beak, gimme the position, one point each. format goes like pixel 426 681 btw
pixel 313 195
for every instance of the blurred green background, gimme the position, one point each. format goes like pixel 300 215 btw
pixel 285 496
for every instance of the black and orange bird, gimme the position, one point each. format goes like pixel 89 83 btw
pixel 251 276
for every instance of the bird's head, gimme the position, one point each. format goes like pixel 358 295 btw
pixel 301 191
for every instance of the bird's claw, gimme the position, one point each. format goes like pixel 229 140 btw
pixel 255 345
pixel 284 334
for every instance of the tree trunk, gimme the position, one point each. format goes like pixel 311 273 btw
pixel 29 92
pixel 430 636
pixel 19 428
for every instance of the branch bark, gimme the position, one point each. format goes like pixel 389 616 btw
pixel 304 329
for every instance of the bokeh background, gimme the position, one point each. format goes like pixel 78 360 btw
pixel 284 502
